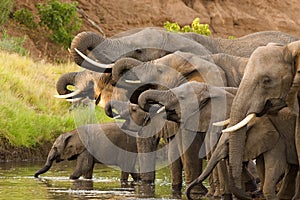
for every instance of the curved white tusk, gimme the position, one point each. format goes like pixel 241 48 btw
pixel 161 109
pixel 74 100
pixel 117 117
pixel 107 66
pixel 222 123
pixel 65 96
pixel 239 125
pixel 133 81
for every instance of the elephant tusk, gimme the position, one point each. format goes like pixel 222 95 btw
pixel 133 81
pixel 65 96
pixel 117 117
pixel 161 109
pixel 92 62
pixel 222 123
pixel 241 124
pixel 74 100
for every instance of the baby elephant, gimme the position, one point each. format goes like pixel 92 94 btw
pixel 95 143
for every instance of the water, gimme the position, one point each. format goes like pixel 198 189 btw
pixel 17 183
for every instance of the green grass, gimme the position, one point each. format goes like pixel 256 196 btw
pixel 29 113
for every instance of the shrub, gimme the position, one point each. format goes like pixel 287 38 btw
pixel 61 19
pixel 24 16
pixel 6 7
pixel 12 44
pixel 196 27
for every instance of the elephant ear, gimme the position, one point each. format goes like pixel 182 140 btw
pixel 198 120
pixel 73 145
pixel 261 137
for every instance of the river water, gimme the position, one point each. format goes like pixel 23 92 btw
pixel 17 183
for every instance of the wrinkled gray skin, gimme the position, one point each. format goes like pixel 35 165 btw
pixel 271 77
pixel 95 143
pixel 151 127
pixel 243 46
pixel 213 104
pixel 270 148
pixel 93 85
pixel 195 106
pixel 144 45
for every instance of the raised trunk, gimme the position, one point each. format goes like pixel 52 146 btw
pixel 163 97
pixel 84 42
pixel 121 67
pixel 51 157
pixel 64 81
pixel 120 106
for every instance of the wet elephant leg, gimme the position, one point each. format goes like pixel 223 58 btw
pixel 176 168
pixel 124 178
pixel 191 143
pixel 84 166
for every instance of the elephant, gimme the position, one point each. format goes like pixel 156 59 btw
pixel 195 106
pixel 88 84
pixel 149 130
pixel 143 44
pixel 269 147
pixel 152 43
pixel 95 143
pixel 270 82
pixel 243 46
pixel 212 104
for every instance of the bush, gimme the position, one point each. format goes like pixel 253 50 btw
pixel 13 44
pixel 196 27
pixel 24 16
pixel 6 7
pixel 61 19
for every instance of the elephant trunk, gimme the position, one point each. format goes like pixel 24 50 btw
pixel 122 66
pixel 118 105
pixel 237 139
pixel 84 42
pixel 64 81
pixel 51 157
pixel 163 97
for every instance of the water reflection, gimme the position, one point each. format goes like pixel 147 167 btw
pixel 17 182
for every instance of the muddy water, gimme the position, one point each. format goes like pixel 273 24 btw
pixel 17 182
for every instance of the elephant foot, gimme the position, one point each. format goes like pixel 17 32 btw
pixel 226 197
pixel 198 192
pixel 74 177
pixel 176 191
pixel 251 186
pixel 145 189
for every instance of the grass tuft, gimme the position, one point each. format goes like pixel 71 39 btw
pixel 29 113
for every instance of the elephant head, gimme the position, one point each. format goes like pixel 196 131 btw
pixel 270 82
pixel 143 44
pixel 194 105
pixel 87 84
pixel 164 73
pixel 66 146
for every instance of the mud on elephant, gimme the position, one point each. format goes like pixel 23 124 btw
pixel 95 143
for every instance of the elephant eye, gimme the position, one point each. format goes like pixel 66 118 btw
pixel 139 51
pixel 266 80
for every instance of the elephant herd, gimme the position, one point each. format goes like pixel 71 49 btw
pixel 231 102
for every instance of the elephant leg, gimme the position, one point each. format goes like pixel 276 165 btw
pixel 223 176
pixel 124 178
pixel 287 189
pixel 84 166
pixel 192 164
pixel 260 166
pixel 176 168
pixel 275 165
